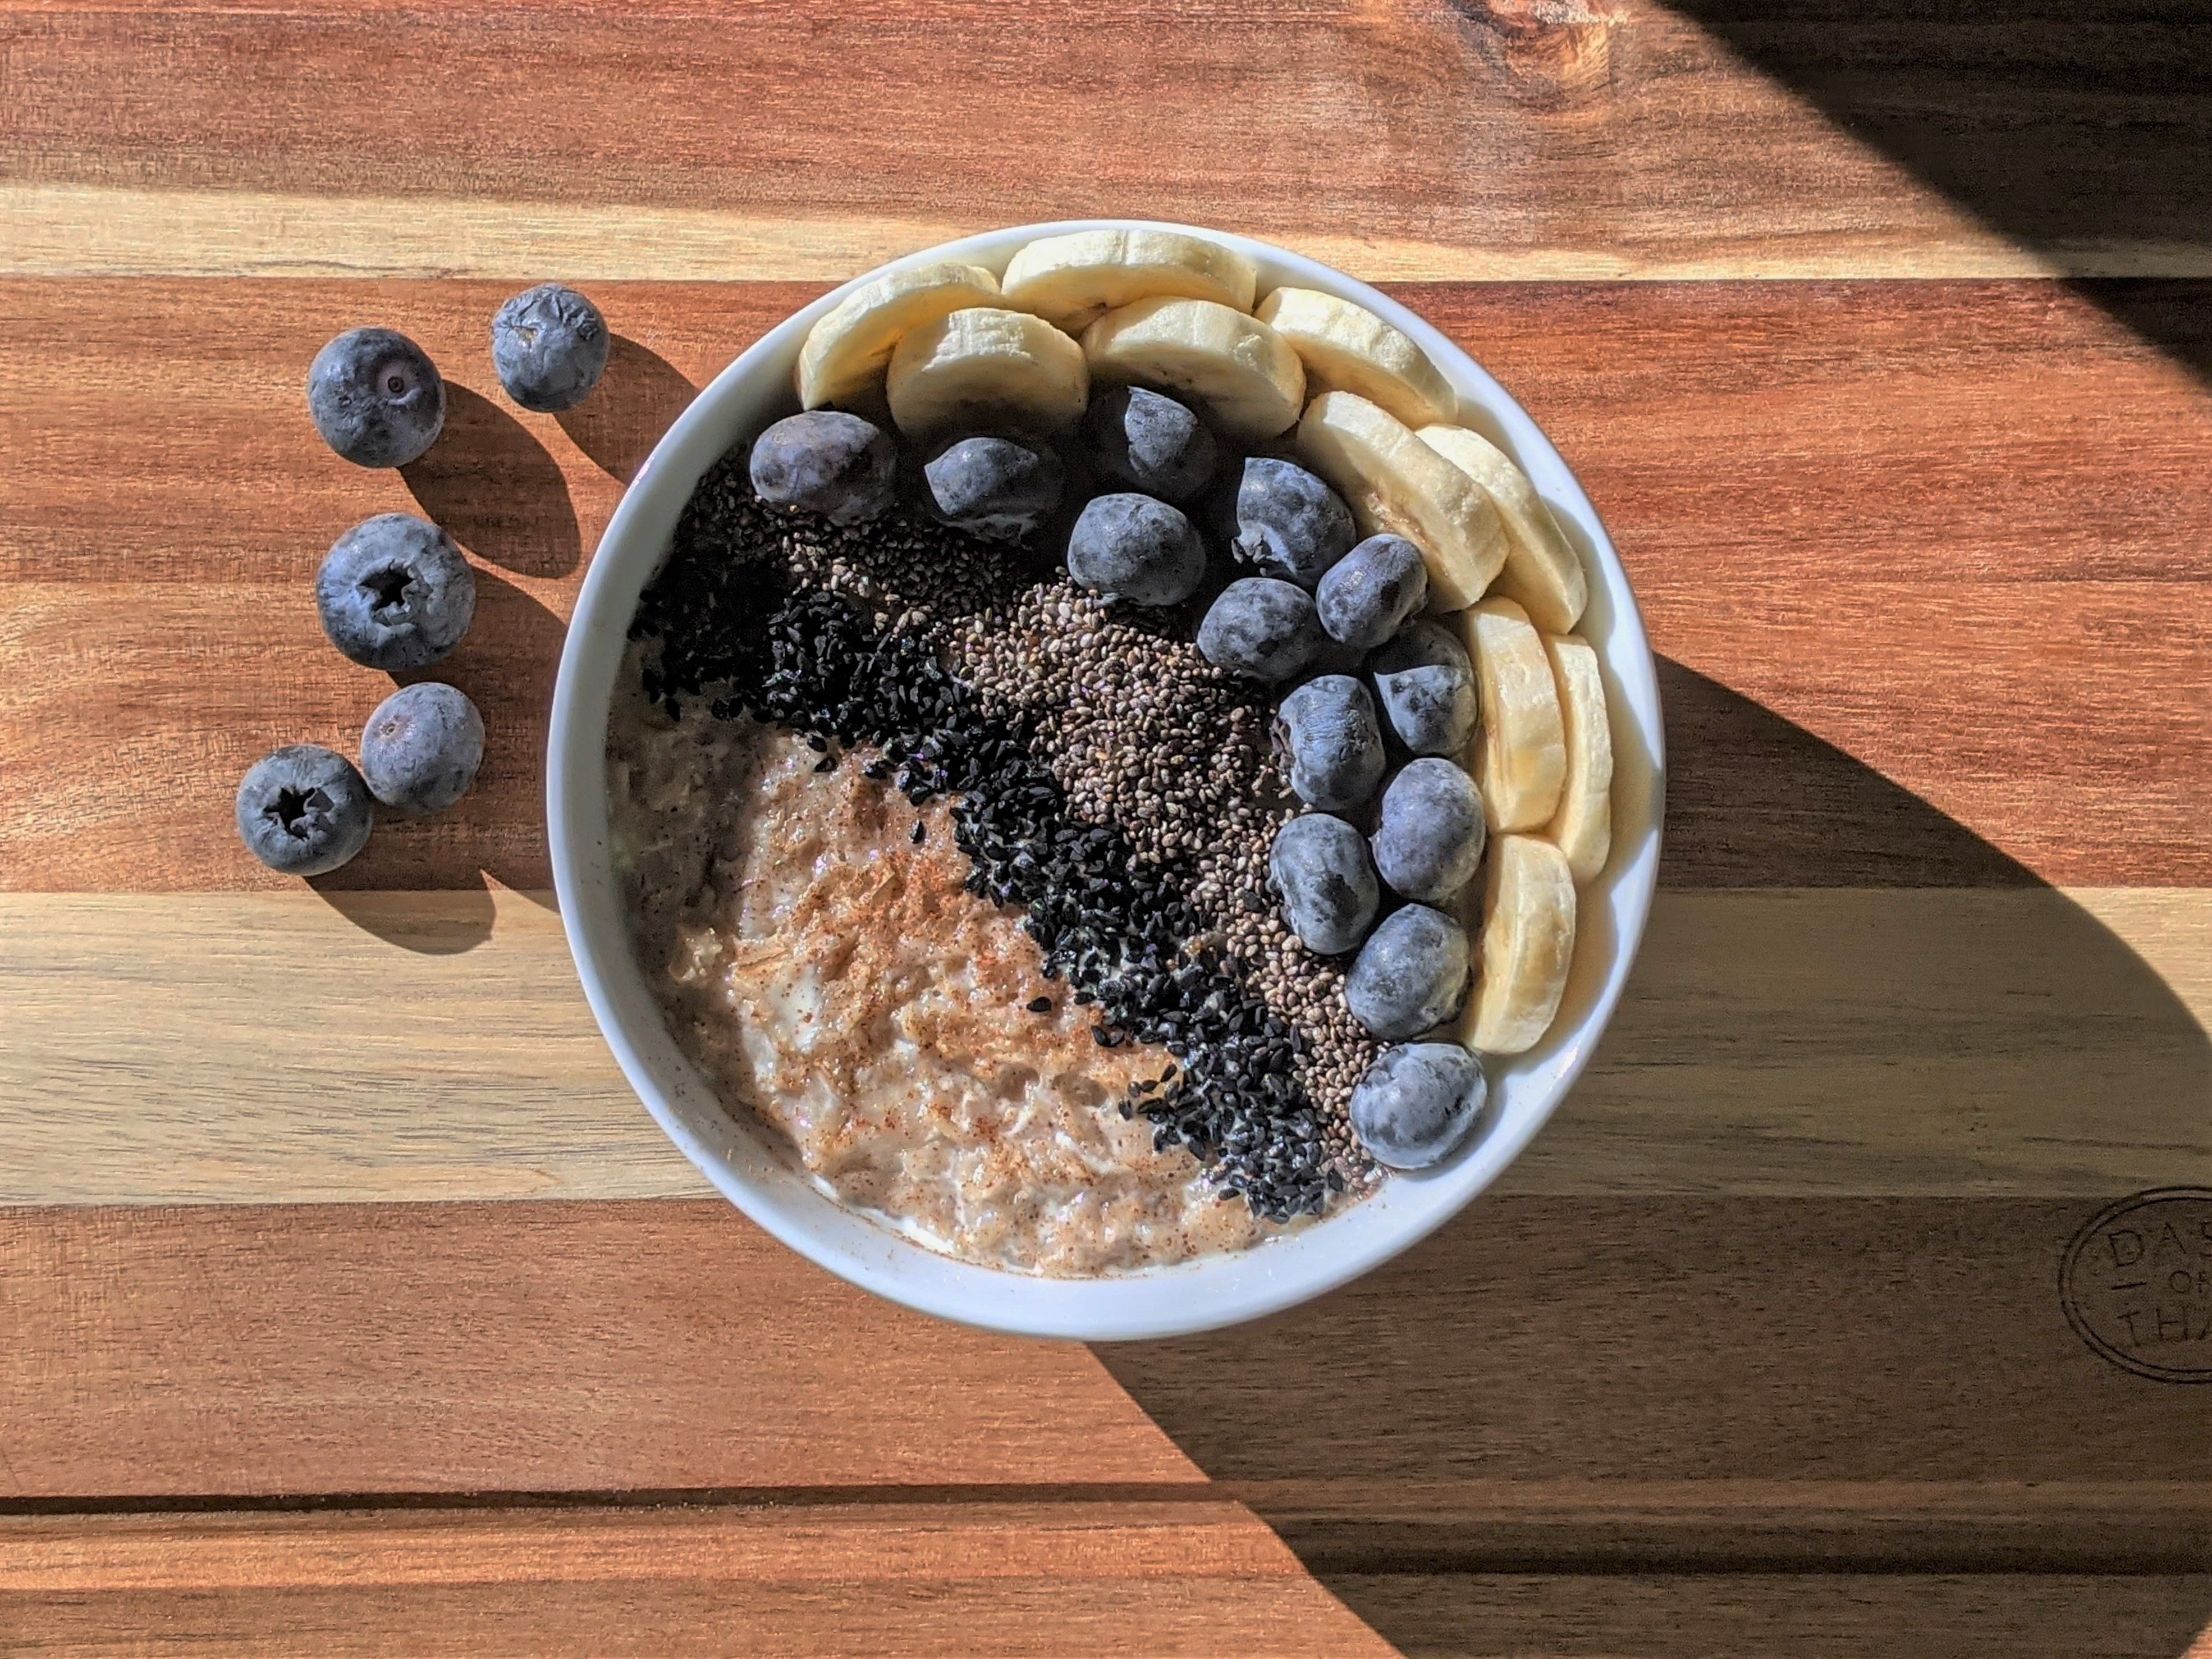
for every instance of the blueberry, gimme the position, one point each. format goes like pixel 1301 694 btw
pixel 1260 627
pixel 1426 686
pixel 994 487
pixel 1410 975
pixel 395 592
pixel 1371 590
pixel 1417 1102
pixel 549 344
pixel 1150 441
pixel 1326 730
pixel 376 397
pixel 1320 865
pixel 1135 548
pixel 304 810
pixel 1289 523
pixel 829 462
pixel 421 749
pixel 1429 837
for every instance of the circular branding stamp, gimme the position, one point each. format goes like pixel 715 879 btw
pixel 2136 1284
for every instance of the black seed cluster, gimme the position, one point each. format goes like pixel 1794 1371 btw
pixel 732 629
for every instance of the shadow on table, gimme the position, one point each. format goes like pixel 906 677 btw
pixel 496 490
pixel 637 399
pixel 1539 1339
pixel 506 665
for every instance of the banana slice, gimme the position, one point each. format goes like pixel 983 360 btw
pixel 1394 482
pixel 984 366
pixel 1520 758
pixel 1541 573
pixel 1245 374
pixel 1074 279
pixel 1347 348
pixel 1528 946
pixel 849 347
pixel 1582 827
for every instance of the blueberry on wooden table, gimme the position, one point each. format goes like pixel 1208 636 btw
pixel 1426 686
pixel 1369 592
pixel 994 487
pixel 1320 865
pixel 1132 547
pixel 1326 730
pixel 1261 627
pixel 548 345
pixel 395 593
pixel 1289 523
pixel 421 749
pixel 1417 1101
pixel 376 397
pixel 828 462
pixel 1150 441
pixel 304 810
pixel 1429 836
pixel 1411 976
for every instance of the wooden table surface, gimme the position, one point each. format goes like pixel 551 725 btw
pixel 350 1303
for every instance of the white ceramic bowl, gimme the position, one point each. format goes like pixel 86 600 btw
pixel 767 1184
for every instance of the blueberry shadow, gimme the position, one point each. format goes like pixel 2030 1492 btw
pixel 495 491
pixel 506 666
pixel 2072 130
pixel 637 400
pixel 1424 1429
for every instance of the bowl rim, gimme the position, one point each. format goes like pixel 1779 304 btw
pixel 1208 1292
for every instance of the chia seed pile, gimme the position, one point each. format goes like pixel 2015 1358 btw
pixel 1111 784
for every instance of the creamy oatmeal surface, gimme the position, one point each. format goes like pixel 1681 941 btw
pixel 823 970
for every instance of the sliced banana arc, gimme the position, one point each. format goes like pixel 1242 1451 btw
pixel 1528 946
pixel 1541 573
pixel 985 366
pixel 1241 372
pixel 1347 348
pixel 850 346
pixel 1582 827
pixel 1519 759
pixel 1073 279
pixel 1393 480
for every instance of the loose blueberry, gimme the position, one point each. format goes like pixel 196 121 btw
pixel 421 749
pixel 1417 1102
pixel 549 344
pixel 395 592
pixel 1410 975
pixel 1260 627
pixel 304 810
pixel 1289 523
pixel 829 462
pixel 376 397
pixel 1320 865
pixel 994 487
pixel 1426 685
pixel 1372 589
pixel 1150 441
pixel 1325 729
pixel 1134 548
pixel 1429 836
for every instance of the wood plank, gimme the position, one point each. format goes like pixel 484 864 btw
pixel 2012 682
pixel 1575 1378
pixel 987 1578
pixel 1806 1616
pixel 1630 139
pixel 177 1048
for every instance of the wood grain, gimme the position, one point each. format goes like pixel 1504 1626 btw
pixel 1925 555
pixel 1555 1375
pixel 178 1048
pixel 1064 1578
pixel 1626 141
